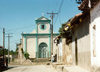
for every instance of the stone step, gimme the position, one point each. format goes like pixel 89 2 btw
pixel 40 60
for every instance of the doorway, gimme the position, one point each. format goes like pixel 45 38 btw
pixel 43 52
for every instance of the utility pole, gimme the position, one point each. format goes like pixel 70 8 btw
pixel 3 43
pixel 9 47
pixel 52 16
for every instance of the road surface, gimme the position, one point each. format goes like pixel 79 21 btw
pixel 34 68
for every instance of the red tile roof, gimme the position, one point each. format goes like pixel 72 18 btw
pixel 84 5
pixel 76 17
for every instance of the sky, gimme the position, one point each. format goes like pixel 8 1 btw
pixel 18 16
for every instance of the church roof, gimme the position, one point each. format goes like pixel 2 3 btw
pixel 42 18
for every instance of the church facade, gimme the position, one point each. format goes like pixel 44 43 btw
pixel 38 43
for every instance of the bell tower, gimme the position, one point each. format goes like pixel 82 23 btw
pixel 43 25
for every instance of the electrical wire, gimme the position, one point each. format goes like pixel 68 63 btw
pixel 21 28
pixel 61 4
pixel 59 10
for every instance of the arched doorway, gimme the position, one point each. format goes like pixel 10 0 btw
pixel 43 52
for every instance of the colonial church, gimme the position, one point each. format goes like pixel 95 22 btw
pixel 38 42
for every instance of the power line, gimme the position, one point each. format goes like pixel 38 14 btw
pixel 59 10
pixel 21 28
pixel 62 1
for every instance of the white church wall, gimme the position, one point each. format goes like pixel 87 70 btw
pixel 44 31
pixel 43 39
pixel 31 46
pixel 23 43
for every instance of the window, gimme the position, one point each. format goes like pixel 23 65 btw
pixel 42 26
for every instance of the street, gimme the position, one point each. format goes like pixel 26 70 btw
pixel 34 68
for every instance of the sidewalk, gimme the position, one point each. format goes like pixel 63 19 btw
pixel 64 68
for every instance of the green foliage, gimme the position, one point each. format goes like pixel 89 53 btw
pixel 6 52
pixel 61 30
pixel 64 33
pixel 13 52
pixel 26 55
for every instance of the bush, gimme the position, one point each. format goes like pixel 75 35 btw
pixel 26 55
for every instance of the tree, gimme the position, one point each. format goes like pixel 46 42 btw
pixel 79 1
pixel 5 51
pixel 63 33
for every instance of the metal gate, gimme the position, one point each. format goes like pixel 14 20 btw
pixel 43 52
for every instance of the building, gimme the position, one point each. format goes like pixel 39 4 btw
pixel 85 51
pixel 84 28
pixel 58 42
pixel 81 51
pixel 93 7
pixel 64 50
pixel 38 42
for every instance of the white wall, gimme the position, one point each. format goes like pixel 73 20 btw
pixel 83 44
pixel 54 46
pixel 23 43
pixel 31 46
pixel 95 35
pixel 46 30
pixel 60 51
pixel 43 39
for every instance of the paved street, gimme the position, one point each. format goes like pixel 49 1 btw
pixel 34 68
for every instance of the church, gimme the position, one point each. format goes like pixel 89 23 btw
pixel 38 42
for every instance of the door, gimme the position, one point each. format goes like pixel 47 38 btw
pixel 43 52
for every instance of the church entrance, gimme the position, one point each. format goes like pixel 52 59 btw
pixel 43 52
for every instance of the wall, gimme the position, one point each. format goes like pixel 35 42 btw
pixel 44 39
pixel 67 52
pixel 95 35
pixel 59 51
pixel 46 30
pixel 54 46
pixel 23 43
pixel 31 46
pixel 82 36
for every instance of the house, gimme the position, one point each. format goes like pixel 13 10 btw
pixel 81 51
pixel 93 6
pixel 58 41
pixel 85 51
pixel 83 27
pixel 38 42
pixel 63 41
